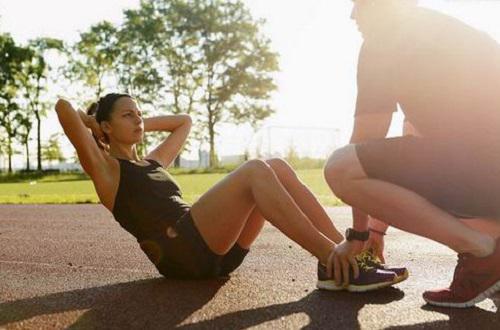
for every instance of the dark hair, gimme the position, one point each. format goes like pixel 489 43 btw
pixel 103 108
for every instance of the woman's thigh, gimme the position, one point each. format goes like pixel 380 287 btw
pixel 221 213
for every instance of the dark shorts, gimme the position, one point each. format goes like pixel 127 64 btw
pixel 187 256
pixel 460 179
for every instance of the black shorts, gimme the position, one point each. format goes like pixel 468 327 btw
pixel 187 256
pixel 461 179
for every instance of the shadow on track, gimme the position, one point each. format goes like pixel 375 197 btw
pixel 162 304
pixel 468 318
pixel 326 310
pixel 144 304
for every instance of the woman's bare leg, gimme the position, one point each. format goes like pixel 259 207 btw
pixel 304 198
pixel 221 214
pixel 252 229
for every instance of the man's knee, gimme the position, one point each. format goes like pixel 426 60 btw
pixel 342 167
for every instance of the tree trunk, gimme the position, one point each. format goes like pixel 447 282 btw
pixel 211 122
pixel 9 152
pixel 39 141
pixel 177 161
pixel 27 156
pixel 213 156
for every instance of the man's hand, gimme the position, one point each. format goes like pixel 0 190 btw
pixel 341 259
pixel 376 243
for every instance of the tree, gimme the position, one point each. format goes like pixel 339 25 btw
pixel 217 63
pixel 237 65
pixel 11 115
pixel 157 30
pixel 34 81
pixel 23 135
pixel 94 55
pixel 52 150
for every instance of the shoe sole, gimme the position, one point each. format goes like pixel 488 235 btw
pixel 331 286
pixel 482 296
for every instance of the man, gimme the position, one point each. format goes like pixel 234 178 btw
pixel 445 76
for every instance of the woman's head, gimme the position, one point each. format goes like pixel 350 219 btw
pixel 119 117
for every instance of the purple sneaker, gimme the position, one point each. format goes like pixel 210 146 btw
pixel 369 279
pixel 371 260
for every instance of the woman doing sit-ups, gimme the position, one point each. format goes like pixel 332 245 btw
pixel 210 238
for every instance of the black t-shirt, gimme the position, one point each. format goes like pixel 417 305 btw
pixel 444 74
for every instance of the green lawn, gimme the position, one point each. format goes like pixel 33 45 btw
pixel 71 189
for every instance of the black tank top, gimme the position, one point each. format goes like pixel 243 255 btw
pixel 148 199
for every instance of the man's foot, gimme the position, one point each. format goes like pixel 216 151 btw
pixel 371 260
pixel 369 279
pixel 475 279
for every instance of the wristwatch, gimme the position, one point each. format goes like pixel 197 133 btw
pixel 351 235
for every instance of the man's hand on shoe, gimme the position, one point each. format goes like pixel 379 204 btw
pixel 376 244
pixel 342 258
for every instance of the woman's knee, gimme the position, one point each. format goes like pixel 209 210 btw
pixel 282 169
pixel 256 168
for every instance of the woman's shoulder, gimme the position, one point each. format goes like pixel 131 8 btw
pixel 153 161
pixel 107 181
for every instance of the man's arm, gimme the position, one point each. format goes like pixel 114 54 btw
pixel 368 127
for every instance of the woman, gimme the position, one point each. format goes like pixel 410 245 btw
pixel 211 237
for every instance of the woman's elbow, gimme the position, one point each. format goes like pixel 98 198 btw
pixel 61 105
pixel 188 121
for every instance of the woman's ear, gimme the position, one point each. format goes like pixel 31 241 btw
pixel 105 127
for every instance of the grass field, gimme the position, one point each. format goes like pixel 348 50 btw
pixel 70 189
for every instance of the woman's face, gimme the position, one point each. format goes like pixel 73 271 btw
pixel 126 125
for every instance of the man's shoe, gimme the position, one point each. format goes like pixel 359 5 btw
pixel 474 280
pixel 373 261
pixel 369 279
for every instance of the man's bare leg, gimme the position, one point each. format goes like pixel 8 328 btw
pixel 400 207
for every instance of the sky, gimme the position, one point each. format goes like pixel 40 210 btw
pixel 318 46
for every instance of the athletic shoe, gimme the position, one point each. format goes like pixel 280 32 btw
pixel 371 260
pixel 474 280
pixel 369 279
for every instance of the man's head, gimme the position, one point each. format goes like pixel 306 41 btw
pixel 375 16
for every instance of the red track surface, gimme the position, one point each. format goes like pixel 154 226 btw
pixel 73 266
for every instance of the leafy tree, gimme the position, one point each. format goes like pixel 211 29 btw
pixel 136 66
pixel 94 55
pixel 52 150
pixel 237 65
pixel 23 135
pixel 34 79
pixel 157 30
pixel 11 115
pixel 215 60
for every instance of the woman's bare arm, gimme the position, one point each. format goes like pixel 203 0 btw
pixel 178 126
pixel 75 125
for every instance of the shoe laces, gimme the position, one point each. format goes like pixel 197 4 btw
pixel 364 263
pixel 368 258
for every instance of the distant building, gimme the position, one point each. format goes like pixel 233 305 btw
pixel 232 159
